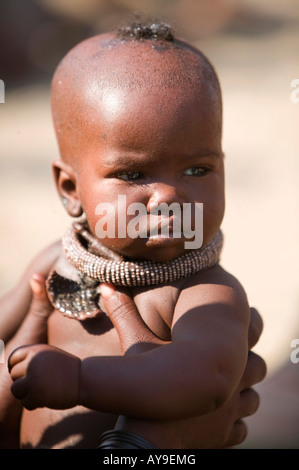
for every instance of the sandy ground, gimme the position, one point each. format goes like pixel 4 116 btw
pixel 261 226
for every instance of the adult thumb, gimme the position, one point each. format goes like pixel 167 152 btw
pixel 40 307
pixel 34 327
pixel 133 333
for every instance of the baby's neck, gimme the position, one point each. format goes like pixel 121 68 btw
pixel 94 260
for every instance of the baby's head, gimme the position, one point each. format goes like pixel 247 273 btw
pixel 138 118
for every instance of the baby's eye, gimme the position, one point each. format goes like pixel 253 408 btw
pixel 129 176
pixel 196 171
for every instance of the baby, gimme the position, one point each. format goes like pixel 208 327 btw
pixel 138 118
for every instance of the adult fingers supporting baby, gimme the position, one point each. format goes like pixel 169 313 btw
pixel 246 400
pixel 255 327
pixel 241 405
pixel 134 335
pixel 237 435
pixel 254 372
pixel 248 403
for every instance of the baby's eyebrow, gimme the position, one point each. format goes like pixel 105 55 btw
pixel 139 161
pixel 120 160
pixel 205 154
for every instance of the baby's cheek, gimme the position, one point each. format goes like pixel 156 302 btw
pixel 212 219
pixel 111 229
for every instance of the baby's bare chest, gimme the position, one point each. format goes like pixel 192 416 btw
pixel 98 337
pixel 95 337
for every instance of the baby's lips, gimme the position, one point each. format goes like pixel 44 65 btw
pixel 168 225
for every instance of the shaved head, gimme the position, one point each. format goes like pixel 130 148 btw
pixel 99 71
pixel 138 113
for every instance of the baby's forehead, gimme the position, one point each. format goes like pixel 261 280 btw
pixel 104 73
pixel 105 62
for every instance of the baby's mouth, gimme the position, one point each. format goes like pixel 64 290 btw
pixel 162 227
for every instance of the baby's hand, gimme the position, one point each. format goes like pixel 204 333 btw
pixel 44 376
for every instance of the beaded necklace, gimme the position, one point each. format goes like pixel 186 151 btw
pixel 96 264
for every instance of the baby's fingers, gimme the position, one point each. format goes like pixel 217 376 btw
pixel 23 388
pixel 19 388
pixel 21 392
pixel 17 366
pixel 16 357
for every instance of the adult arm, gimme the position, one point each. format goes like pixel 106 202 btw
pixel 23 314
pixel 32 330
pixel 15 304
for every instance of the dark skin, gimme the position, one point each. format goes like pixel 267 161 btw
pixel 153 149
pixel 222 428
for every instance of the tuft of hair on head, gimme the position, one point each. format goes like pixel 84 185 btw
pixel 140 28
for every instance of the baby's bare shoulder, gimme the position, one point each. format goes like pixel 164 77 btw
pixel 214 294
pixel 216 283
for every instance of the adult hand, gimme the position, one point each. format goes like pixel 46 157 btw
pixel 226 427
pixel 134 335
pixel 32 330
pixel 34 327
pixel 222 428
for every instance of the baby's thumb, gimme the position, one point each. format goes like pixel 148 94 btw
pixel 40 304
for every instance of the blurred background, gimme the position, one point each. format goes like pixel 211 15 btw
pixel 254 45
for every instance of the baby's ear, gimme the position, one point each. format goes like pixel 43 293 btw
pixel 66 184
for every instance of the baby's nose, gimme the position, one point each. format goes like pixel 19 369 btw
pixel 165 193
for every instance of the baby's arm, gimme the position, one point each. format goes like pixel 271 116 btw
pixel 194 374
